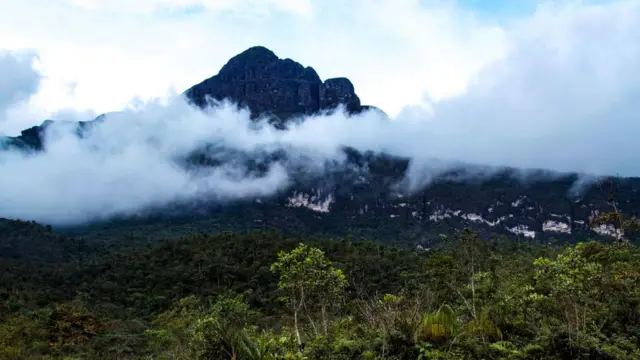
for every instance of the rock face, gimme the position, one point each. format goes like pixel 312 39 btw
pixel 29 139
pixel 281 88
pixel 32 139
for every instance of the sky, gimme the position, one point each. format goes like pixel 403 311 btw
pixel 530 84
pixel 99 55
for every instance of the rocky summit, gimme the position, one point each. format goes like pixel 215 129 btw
pixel 279 88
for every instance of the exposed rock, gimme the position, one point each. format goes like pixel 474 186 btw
pixel 32 139
pixel 270 86
pixel 339 91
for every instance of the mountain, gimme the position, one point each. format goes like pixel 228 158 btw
pixel 32 139
pixel 365 198
pixel 279 88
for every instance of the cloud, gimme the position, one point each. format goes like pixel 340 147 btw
pixel 565 96
pixel 20 80
pixel 128 163
pixel 245 7
pixel 69 114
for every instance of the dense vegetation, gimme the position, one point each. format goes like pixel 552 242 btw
pixel 266 295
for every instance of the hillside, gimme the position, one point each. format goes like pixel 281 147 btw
pixel 32 242
pixel 229 296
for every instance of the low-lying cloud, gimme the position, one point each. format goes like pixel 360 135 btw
pixel 565 97
pixel 128 162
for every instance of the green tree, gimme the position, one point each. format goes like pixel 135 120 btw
pixel 219 331
pixel 573 283
pixel 310 281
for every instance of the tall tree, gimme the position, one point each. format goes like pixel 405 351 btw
pixel 308 279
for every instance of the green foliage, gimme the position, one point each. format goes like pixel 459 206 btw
pixel 442 324
pixel 70 325
pixel 22 337
pixel 311 284
pixel 266 296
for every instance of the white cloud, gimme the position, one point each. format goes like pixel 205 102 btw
pixel 127 164
pixel 566 95
pixel 245 7
pixel 73 115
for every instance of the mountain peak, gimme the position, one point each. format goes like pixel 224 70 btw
pixel 254 54
pixel 270 86
pixel 256 78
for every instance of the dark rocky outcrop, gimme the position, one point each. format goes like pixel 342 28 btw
pixel 270 86
pixel 32 139
pixel 29 139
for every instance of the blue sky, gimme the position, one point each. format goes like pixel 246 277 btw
pixel 501 7
pixel 515 8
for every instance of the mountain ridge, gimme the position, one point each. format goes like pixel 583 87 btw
pixel 364 200
pixel 280 88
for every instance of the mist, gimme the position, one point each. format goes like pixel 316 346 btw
pixel 20 80
pixel 565 96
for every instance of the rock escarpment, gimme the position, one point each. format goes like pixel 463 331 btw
pixel 279 88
